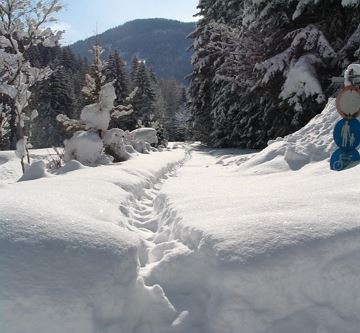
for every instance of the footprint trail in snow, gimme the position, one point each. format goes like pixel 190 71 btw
pixel 164 259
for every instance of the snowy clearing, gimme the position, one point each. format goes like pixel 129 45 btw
pixel 189 240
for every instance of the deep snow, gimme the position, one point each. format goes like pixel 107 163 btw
pixel 69 258
pixel 189 240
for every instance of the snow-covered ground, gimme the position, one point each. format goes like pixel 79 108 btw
pixel 189 240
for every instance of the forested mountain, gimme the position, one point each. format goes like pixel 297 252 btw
pixel 162 43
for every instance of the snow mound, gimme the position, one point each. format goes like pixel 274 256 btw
pixel 10 168
pixel 312 143
pixel 35 171
pixel 85 147
pixel 145 134
pixel 70 166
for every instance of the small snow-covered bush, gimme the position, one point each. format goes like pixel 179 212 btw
pixel 85 147
pixel 88 147
pixel 97 115
pixel 115 146
pixel 145 134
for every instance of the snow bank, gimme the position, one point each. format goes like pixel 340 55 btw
pixel 69 262
pixel 10 167
pixel 271 253
pixel 312 143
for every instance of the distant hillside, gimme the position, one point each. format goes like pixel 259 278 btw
pixel 162 43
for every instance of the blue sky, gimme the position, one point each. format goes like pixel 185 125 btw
pixel 80 17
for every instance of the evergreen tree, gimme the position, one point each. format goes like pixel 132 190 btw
pixel 200 90
pixel 173 96
pixel 56 96
pixel 116 71
pixel 306 42
pixel 96 78
pixel 182 117
pixel 64 86
pixel 295 47
pixel 134 68
pixel 145 97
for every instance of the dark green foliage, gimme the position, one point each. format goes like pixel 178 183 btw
pixel 145 96
pixel 262 69
pixel 116 72
pixel 175 121
pixel 55 96
pixel 61 93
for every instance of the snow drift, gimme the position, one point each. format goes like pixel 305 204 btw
pixel 69 262
pixel 228 243
pixel 271 253
pixel 312 143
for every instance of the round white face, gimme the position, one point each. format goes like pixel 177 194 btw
pixel 348 102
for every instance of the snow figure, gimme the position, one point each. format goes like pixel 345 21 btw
pixel 345 134
pixel 352 139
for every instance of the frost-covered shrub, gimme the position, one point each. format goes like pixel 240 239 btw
pixel 25 24
pixel 88 147
pixel 85 147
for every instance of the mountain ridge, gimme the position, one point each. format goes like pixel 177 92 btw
pixel 162 43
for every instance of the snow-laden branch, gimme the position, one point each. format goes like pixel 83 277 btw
pixel 23 25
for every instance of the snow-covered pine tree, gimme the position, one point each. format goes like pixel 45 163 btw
pixel 298 45
pixel 200 89
pixel 308 42
pixel 24 25
pixel 116 71
pixel 61 93
pixel 145 97
pixel 96 78
pixel 238 102
pixel 172 94
pixel 159 106
pixel 55 96
pixel 182 117
pixel 134 67
pixel 5 122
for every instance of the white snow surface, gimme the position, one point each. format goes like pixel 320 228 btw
pixel 97 115
pixel 69 259
pixel 145 134
pixel 227 241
